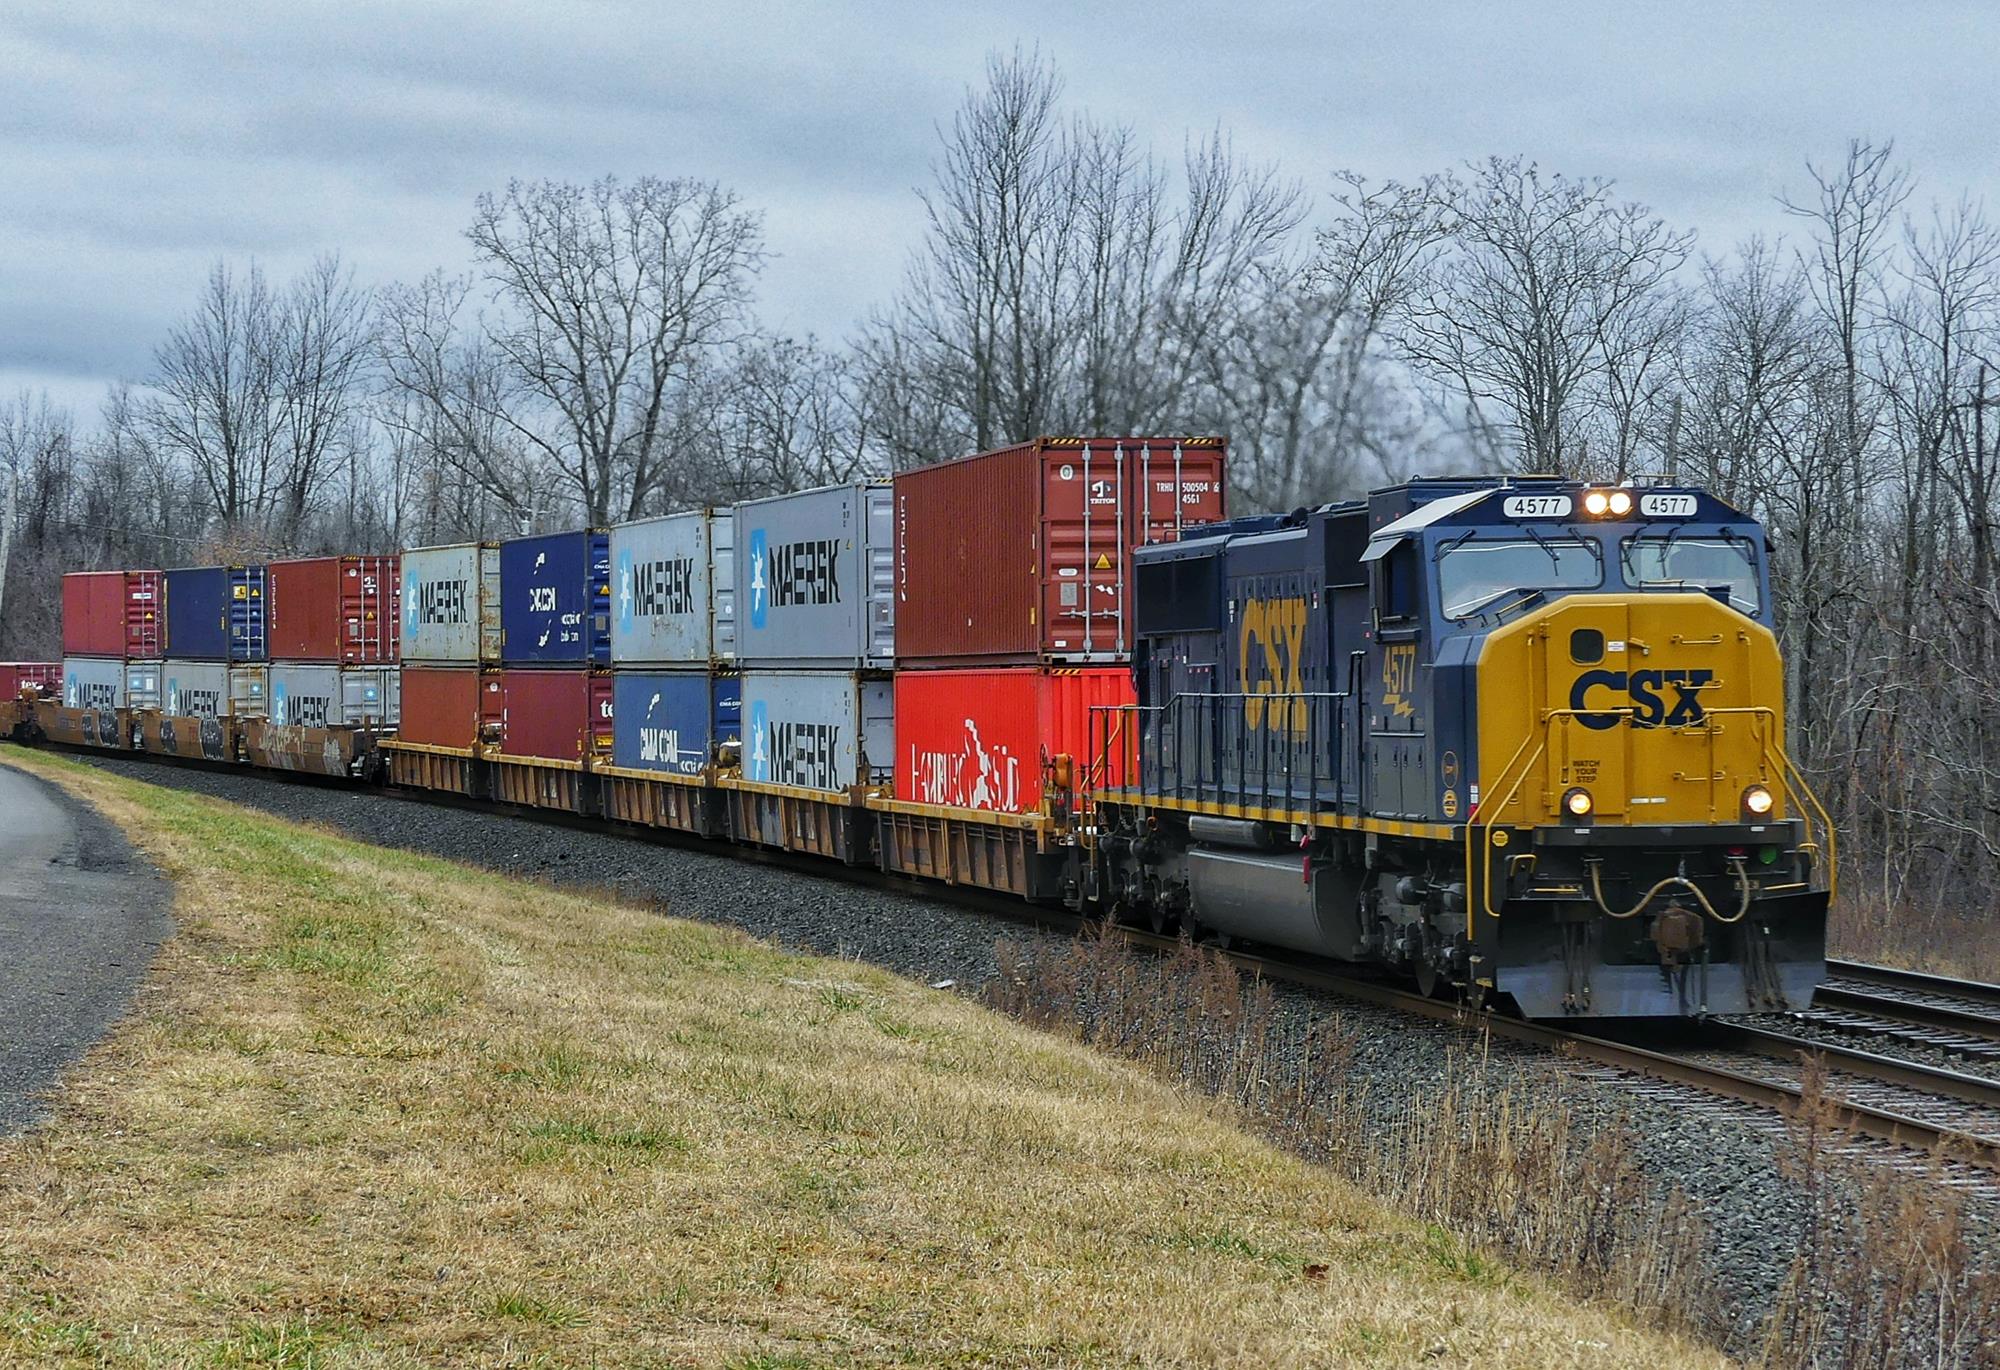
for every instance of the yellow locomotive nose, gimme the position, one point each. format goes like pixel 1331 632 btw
pixel 1656 708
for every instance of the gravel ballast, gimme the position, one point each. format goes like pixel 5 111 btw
pixel 1726 1158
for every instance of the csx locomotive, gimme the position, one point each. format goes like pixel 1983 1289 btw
pixel 1521 738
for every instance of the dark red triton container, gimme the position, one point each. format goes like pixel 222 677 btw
pixel 113 613
pixel 441 705
pixel 555 715
pixel 45 677
pixel 1024 554
pixel 342 609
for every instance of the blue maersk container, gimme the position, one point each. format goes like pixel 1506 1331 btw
pixel 555 600
pixel 672 721
pixel 215 613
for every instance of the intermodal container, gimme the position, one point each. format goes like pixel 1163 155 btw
pixel 450 603
pixel 324 696
pixel 673 721
pixel 340 609
pixel 441 705
pixel 817 730
pixel 980 738
pixel 672 590
pixel 112 613
pixel 1024 554
pixel 215 613
pixel 97 682
pixel 194 689
pixel 555 714
pixel 555 600
pixel 42 677
pixel 814 579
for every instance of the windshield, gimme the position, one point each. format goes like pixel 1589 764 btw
pixel 1474 573
pixel 1695 564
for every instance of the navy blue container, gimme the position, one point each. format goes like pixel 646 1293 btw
pixel 555 600
pixel 672 721
pixel 215 613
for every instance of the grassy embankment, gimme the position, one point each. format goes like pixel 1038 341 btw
pixel 379 1109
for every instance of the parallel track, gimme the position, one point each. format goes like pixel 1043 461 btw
pixel 1894 1122
pixel 1960 1016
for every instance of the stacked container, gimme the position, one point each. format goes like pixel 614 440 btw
pixel 554 686
pixel 111 620
pixel 450 643
pixel 215 650
pixel 676 698
pixel 43 679
pixel 333 625
pixel 816 637
pixel 1014 594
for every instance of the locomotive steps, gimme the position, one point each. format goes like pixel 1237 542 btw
pixel 378 1106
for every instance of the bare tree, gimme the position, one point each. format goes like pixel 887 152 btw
pixel 1534 300
pixel 610 296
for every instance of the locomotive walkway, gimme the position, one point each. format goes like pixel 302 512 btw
pixel 80 917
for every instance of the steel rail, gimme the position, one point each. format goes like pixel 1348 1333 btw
pixel 1923 982
pixel 1940 1016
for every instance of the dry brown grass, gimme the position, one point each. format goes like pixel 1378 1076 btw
pixel 377 1109
pixel 1957 935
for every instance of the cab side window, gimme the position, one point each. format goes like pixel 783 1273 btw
pixel 1397 592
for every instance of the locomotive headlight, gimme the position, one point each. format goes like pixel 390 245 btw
pixel 1621 503
pixel 1757 801
pixel 1577 803
pixel 1596 502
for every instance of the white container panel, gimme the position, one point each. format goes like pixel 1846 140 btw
pixel 815 579
pixel 451 603
pixel 664 590
pixel 94 682
pixel 817 730
pixel 324 696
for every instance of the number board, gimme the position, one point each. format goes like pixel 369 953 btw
pixel 1536 506
pixel 1659 506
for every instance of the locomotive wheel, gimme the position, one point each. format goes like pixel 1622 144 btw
pixel 1427 978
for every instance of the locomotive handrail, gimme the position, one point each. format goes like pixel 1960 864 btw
pixel 1797 790
pixel 1205 712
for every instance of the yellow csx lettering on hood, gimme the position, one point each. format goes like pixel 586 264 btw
pixel 1270 648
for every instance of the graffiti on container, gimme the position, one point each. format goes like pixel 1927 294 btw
pixel 969 776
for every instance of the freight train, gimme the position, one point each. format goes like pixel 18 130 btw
pixel 1519 740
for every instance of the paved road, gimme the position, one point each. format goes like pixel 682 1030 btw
pixel 81 914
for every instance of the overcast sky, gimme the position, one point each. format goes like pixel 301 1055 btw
pixel 139 142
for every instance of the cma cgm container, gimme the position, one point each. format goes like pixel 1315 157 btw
pixel 451 603
pixel 43 677
pixel 322 696
pixel 112 613
pixel 672 721
pixel 333 609
pixel 672 590
pixel 441 705
pixel 813 580
pixel 215 613
pixel 555 600
pixel 976 739
pixel 95 682
pixel 817 730
pixel 554 714
pixel 1025 553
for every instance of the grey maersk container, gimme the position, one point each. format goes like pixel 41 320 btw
pixel 327 696
pixel 815 579
pixel 96 682
pixel 672 590
pixel 451 603
pixel 817 730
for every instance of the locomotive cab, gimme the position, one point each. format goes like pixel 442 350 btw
pixel 1521 737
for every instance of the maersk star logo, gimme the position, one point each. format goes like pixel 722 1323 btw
pixel 410 588
pixel 625 591
pixel 759 762
pixel 278 699
pixel 759 587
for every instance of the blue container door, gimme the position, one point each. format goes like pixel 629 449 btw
pixel 661 721
pixel 198 613
pixel 728 693
pixel 555 598
pixel 246 614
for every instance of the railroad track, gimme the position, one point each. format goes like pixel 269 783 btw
pixel 1958 1016
pixel 1924 1108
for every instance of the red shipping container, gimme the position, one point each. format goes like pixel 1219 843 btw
pixel 113 613
pixel 555 715
pixel 441 705
pixel 1024 554
pixel 976 738
pixel 343 609
pixel 44 676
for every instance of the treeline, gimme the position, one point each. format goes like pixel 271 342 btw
pixel 600 357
